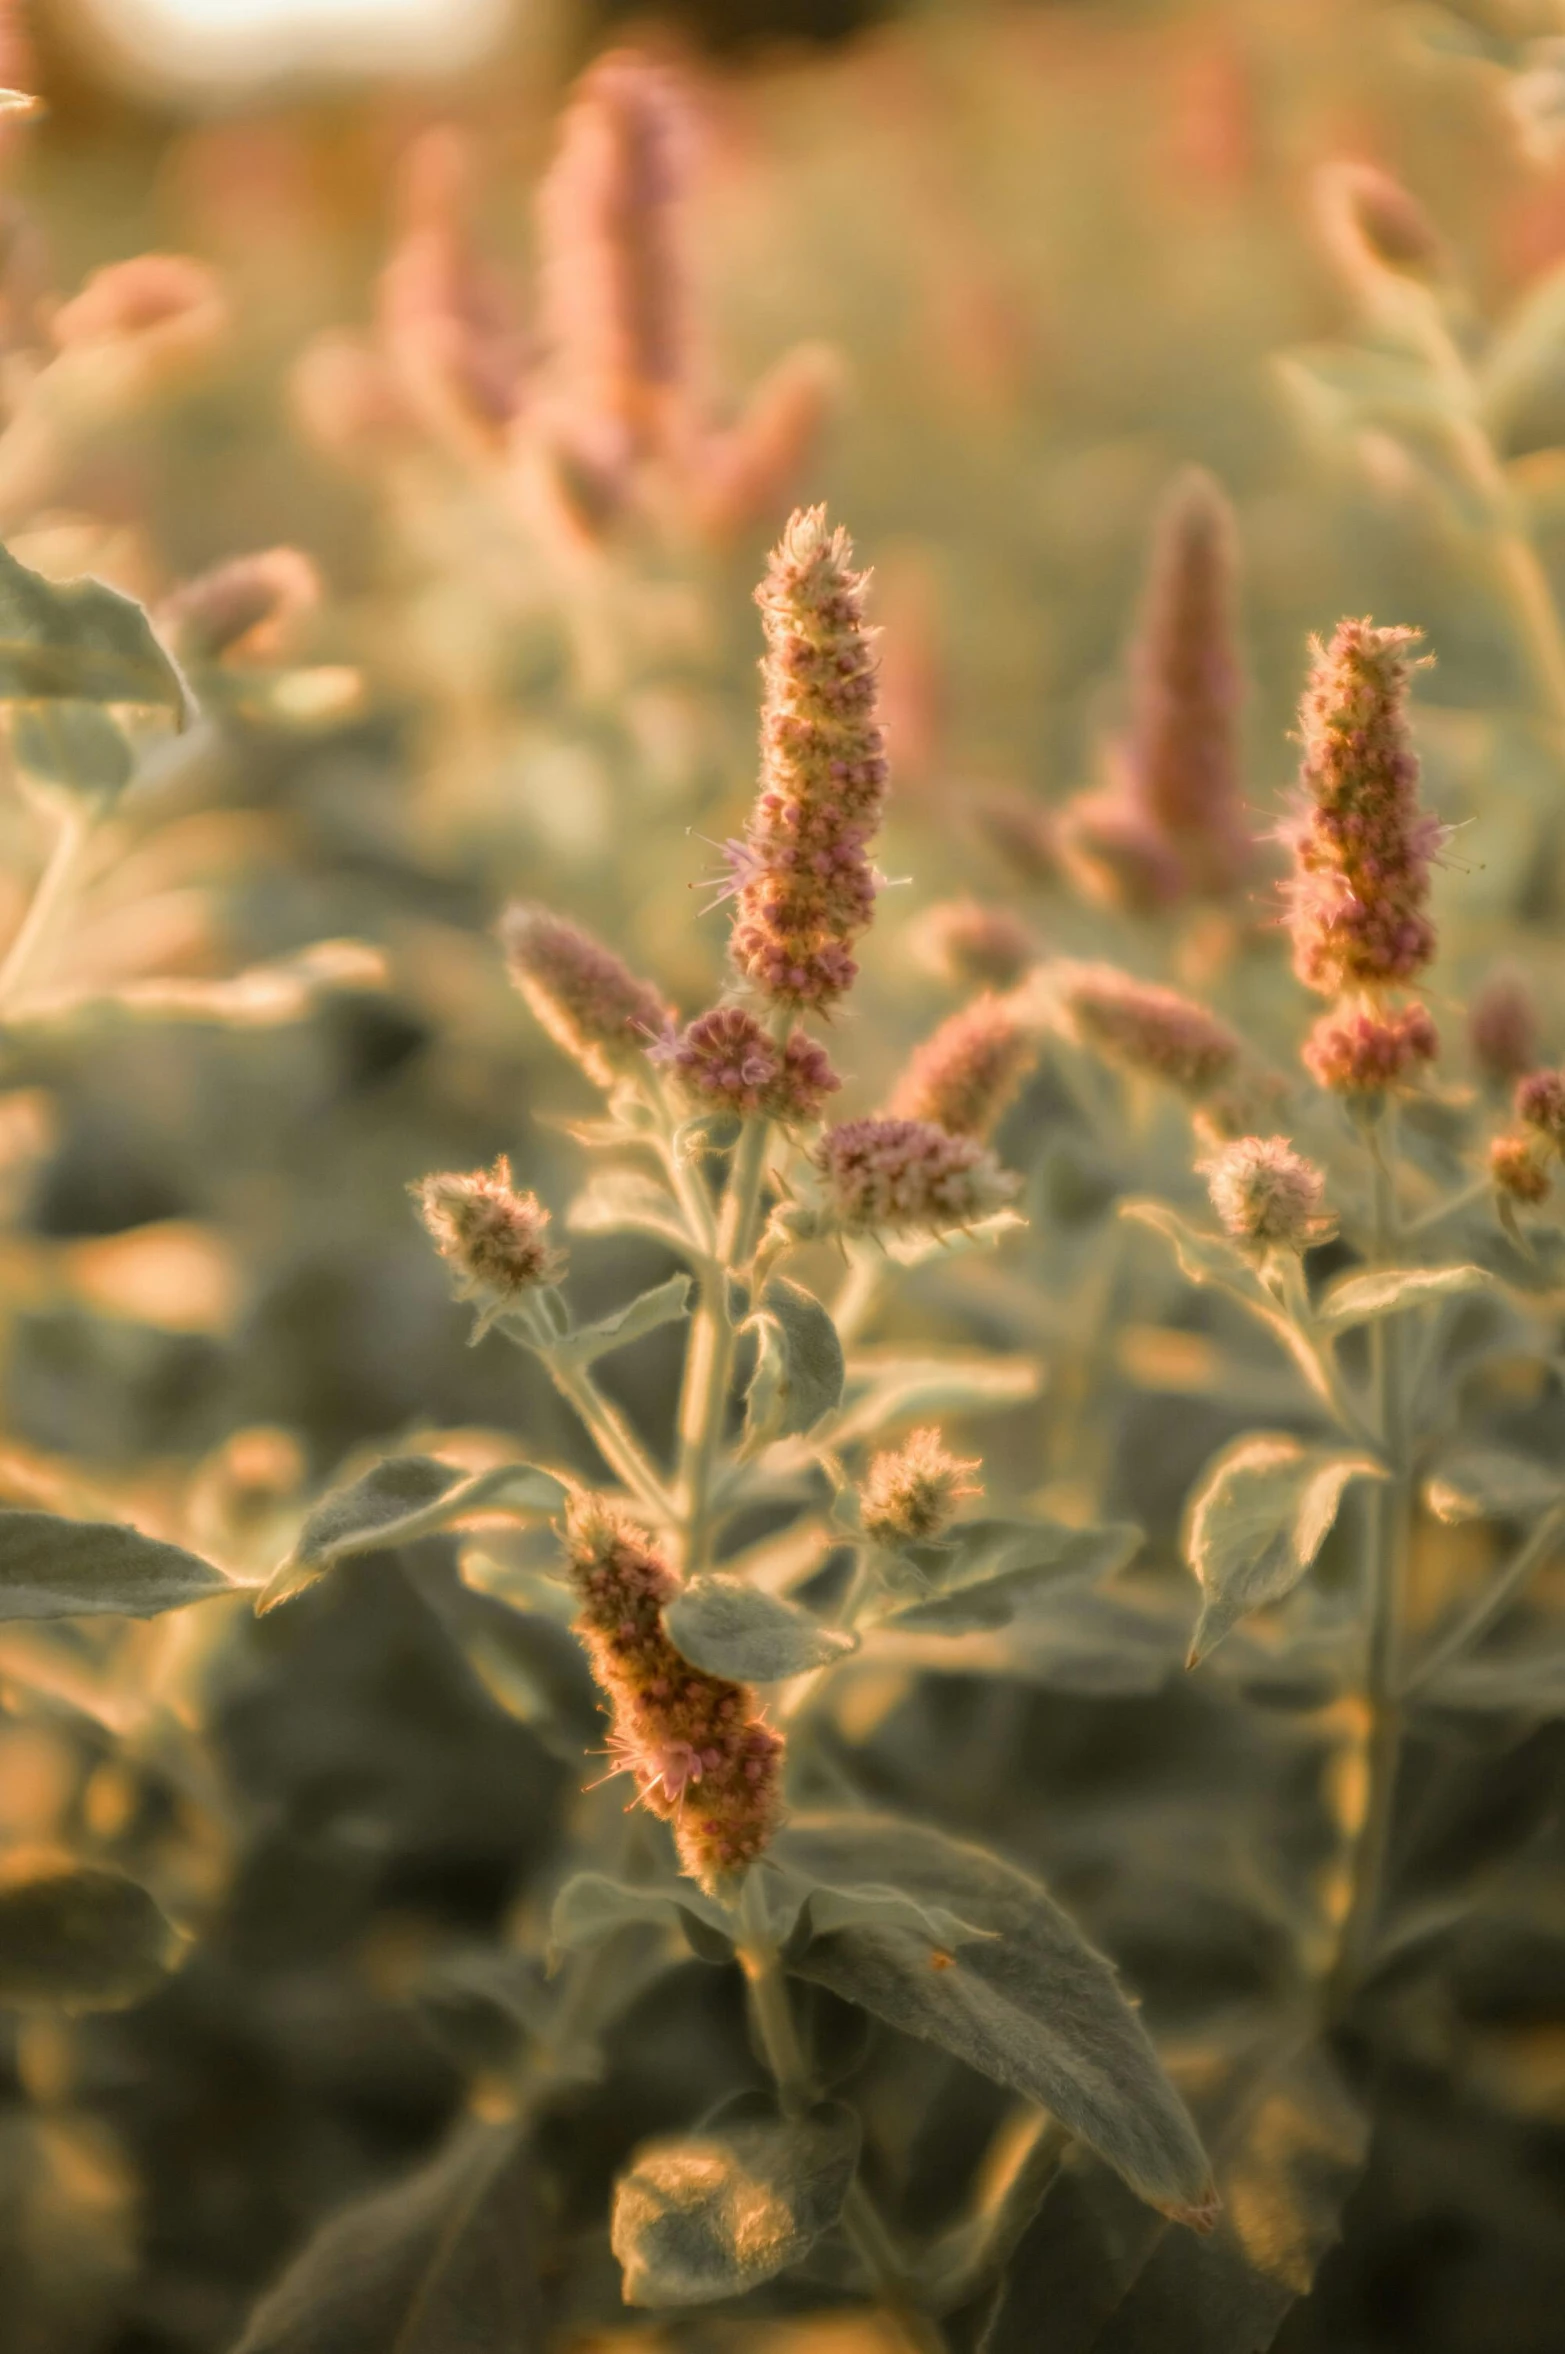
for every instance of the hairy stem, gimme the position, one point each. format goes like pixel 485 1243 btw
pixel 1389 1526
pixel 610 1433
pixel 709 1363
pixel 862 2222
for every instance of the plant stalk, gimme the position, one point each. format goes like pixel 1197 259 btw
pixel 55 884
pixel 709 1365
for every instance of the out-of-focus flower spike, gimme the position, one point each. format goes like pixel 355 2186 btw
pixel 964 1076
pixel 591 1004
pixel 445 324
pixel 965 940
pixel 1114 854
pixel 141 324
pixel 1502 1028
pixel 244 610
pixel 347 402
pixel 748 474
pixel 884 1176
pixel 1138 1024
pixel 1358 1051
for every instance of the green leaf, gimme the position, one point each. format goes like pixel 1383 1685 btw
pixel 78 642
pixel 731 1629
pixel 591 1908
pixel 1260 1516
pixel 73 744
pixel 666 1303
pixel 1359 1299
pixel 77 1937
pixel 886 1386
pixel 1509 1682
pixel 622 1201
pixel 702 2216
pixel 917 1250
pixel 1202 1258
pixel 991 1567
pixel 800 1370
pixel 442 2263
pixel 1288 2139
pixel 53 1568
pixel 358 1518
pixel 801 1907
pixel 1491 1483
pixel 1032 2007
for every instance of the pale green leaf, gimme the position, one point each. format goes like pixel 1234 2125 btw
pixel 1359 1299
pixel 987 1572
pixel 666 1303
pixel 623 1201
pixel 730 1629
pixel 1491 1483
pixel 704 2216
pixel 1032 2006
pixel 78 641
pixel 77 1937
pixel 72 744
pixel 1202 1258
pixel 800 1374
pixel 1261 1514
pixel 887 1387
pixel 591 1908
pixel 53 1568
pixel 397 1502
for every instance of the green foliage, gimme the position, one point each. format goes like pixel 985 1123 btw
pixel 53 1568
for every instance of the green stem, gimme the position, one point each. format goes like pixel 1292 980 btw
pixel 862 2222
pixel 1389 1527
pixel 709 1363
pixel 610 1433
pixel 54 887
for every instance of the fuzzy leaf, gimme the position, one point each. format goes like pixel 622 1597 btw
pixel 916 1250
pixel 390 1492
pixel 1288 2140
pixel 703 2216
pixel 1202 1258
pixel 1262 1512
pixel 77 1937
pixel 591 1907
pixel 1033 2007
pixel 731 1629
pixel 622 1201
pixel 666 1303
pixel 798 1904
pixel 442 2263
pixel 53 1568
pixel 990 1568
pixel 1490 1483
pixel 79 641
pixel 73 744
pixel 1358 1299
pixel 885 1387
pixel 807 1379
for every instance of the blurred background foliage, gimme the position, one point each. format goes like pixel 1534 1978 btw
pixel 1054 252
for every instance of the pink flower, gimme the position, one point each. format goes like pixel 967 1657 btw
pixel 964 940
pixel 1502 1027
pixel 726 1061
pixel 882 1175
pixel 495 1237
pixel 804 885
pixel 1540 1104
pixel 1519 1168
pixel 241 610
pixel 965 1075
pixel 1147 1028
pixel 593 1007
pixel 1353 1052
pixel 910 1494
pixel 700 1754
pixel 1266 1194
pixel 1362 848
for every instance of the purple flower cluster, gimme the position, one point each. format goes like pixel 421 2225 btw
pixel 727 1061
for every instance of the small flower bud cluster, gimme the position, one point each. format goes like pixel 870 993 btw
pixel 726 1061
pixel 701 1756
pixel 593 1007
pixel 911 1493
pixel 1146 1028
pixel 1502 1028
pixel 1540 1104
pixel 965 1075
pixel 243 610
pixel 1519 1162
pixel 1519 1166
pixel 964 941
pixel 803 882
pixel 1352 1052
pixel 1266 1195
pixel 495 1238
pixel 886 1175
pixel 1358 902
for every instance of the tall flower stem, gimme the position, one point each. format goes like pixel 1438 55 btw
pixel 709 1365
pixel 1389 1526
pixel 862 2221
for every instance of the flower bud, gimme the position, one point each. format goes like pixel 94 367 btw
pixel 963 940
pixel 965 1075
pixel 1519 1167
pixel 701 1756
pixel 727 1061
pixel 495 1237
pixel 1502 1028
pixel 1144 1027
pixel 1352 1052
pixel 1266 1194
pixel 888 1175
pixel 910 1494
pixel 1540 1104
pixel 592 1006
pixel 1115 855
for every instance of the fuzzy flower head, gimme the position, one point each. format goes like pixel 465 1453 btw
pixel 447 329
pixel 1268 1196
pixel 700 1754
pixel 494 1237
pixel 965 941
pixel 1358 902
pixel 1183 747
pixel 612 293
pixel 963 1077
pixel 1114 853
pixel 1540 1105
pixel 726 1061
pixel 803 884
pixel 1353 1052
pixel 888 1175
pixel 1146 1028
pixel 593 1007
pixel 1502 1028
pixel 1519 1168
pixel 910 1494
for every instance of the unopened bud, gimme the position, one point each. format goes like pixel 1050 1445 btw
pixel 911 1494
